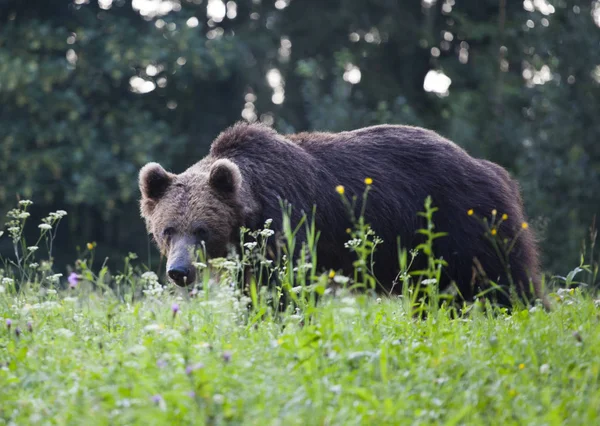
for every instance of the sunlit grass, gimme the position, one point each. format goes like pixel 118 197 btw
pixel 96 348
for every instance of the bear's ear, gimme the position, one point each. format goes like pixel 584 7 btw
pixel 154 181
pixel 225 176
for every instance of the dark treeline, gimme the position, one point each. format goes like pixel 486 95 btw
pixel 92 90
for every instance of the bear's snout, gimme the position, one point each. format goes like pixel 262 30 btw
pixel 180 275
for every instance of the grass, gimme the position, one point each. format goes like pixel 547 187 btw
pixel 124 349
pixel 91 360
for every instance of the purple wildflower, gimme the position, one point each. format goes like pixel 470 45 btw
pixel 175 309
pixel 192 394
pixel 161 363
pixel 227 356
pixel 8 323
pixel 73 280
pixel 191 368
pixel 18 332
pixel 157 398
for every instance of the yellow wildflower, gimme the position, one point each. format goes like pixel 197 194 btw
pixel 504 216
pixel 493 231
pixel 348 230
pixel 368 181
pixel 90 246
pixel 339 189
pixel 521 366
pixel 524 225
pixel 331 274
pixel 470 212
pixel 494 212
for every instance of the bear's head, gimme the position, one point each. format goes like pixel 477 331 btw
pixel 198 209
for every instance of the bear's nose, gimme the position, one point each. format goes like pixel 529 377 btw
pixel 179 275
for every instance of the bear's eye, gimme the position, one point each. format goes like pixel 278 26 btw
pixel 168 233
pixel 201 234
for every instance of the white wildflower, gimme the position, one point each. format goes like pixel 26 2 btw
pixel 34 265
pixel 267 233
pixel 7 281
pixel 64 332
pixel 45 226
pixel 544 369
pixel 51 291
pixel 199 265
pixel 353 243
pixel 340 279
pixel 268 222
pixel 61 213
pixel 55 277
pixel 14 229
pixel 150 276
pixel 25 203
pixel 218 399
pixel 251 246
pixel 429 281
pixel 32 248
pixel 23 215
pixel 2 289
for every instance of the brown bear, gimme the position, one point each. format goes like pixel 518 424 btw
pixel 251 168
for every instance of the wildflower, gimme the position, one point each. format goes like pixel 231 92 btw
pixel 331 274
pixel 157 399
pixel 493 231
pixel 25 203
pixel 251 246
pixel 268 222
pixel 218 398
pixel 340 279
pixel 34 265
pixel 521 366
pixel 175 309
pixel 191 394
pixel 368 181
pixel 18 332
pixel 149 276
pixel 544 369
pixel 191 368
pixel 45 226
pixel 504 216
pixel 470 212
pixel 73 280
pixel 494 212
pixel 199 265
pixel 32 248
pixel 512 393
pixel 90 246
pixel 55 277
pixel 60 213
pixel 8 323
pixel 7 281
pixel 524 225
pixel 267 232
pixel 348 231
pixel 23 215
pixel 227 356
pixel 340 189
pixel 429 281
pixel 29 326
pixel 2 289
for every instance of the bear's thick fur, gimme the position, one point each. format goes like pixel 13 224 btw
pixel 250 168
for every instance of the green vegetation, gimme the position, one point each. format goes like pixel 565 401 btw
pixel 92 90
pixel 95 348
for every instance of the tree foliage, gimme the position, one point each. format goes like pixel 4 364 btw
pixel 91 90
